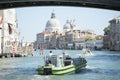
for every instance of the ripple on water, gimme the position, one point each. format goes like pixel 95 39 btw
pixel 96 70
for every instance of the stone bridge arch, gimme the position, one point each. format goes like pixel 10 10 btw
pixel 104 4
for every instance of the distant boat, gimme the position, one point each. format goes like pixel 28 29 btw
pixel 87 52
pixel 60 64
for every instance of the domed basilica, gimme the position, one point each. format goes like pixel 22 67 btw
pixel 61 40
pixel 53 25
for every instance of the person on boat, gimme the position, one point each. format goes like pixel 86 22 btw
pixel 49 63
pixel 50 54
pixel 49 58
pixel 63 55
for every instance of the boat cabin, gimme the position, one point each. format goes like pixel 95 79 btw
pixel 58 60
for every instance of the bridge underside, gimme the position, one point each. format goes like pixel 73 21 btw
pixel 104 4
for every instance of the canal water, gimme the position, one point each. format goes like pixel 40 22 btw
pixel 103 65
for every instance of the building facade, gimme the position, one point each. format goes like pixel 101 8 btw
pixel 9 30
pixel 43 38
pixel 114 35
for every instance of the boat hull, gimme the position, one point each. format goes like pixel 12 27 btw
pixel 52 70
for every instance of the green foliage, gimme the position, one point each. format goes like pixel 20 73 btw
pixel 89 39
pixel 106 30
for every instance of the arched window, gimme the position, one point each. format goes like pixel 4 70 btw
pixel 9 28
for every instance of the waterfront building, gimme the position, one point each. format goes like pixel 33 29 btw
pixel 87 34
pixel 98 42
pixel 25 48
pixel 8 30
pixel 34 45
pixel 94 44
pixel 54 38
pixel 62 43
pixel 106 42
pixel 48 38
pixel 54 41
pixel 77 37
pixel 43 38
pixel 114 35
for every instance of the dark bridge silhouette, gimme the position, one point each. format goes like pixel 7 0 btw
pixel 104 4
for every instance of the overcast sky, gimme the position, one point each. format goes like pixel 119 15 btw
pixel 32 20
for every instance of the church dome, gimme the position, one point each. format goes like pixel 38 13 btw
pixel 67 25
pixel 53 25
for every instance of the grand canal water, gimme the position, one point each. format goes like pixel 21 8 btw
pixel 103 65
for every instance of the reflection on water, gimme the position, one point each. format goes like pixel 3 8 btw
pixel 104 65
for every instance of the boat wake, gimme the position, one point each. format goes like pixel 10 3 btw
pixel 92 69
pixel 91 54
pixel 87 52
